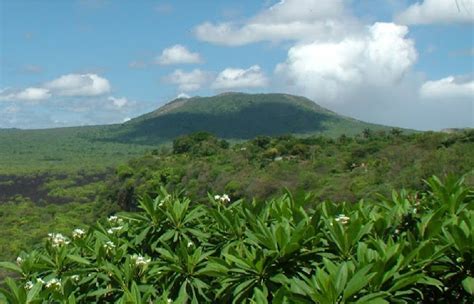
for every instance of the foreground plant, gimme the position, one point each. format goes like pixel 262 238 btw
pixel 412 247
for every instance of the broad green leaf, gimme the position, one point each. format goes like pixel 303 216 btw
pixel 468 285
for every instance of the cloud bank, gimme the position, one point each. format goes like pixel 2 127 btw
pixel 286 20
pixel 438 11
pixel 330 71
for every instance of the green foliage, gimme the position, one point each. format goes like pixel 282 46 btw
pixel 239 116
pixel 407 248
pixel 63 150
pixel 346 169
pixel 199 144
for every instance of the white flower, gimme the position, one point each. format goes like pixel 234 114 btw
pixel 169 301
pixel 19 260
pixel 115 219
pixel 75 278
pixel 113 229
pixel 28 285
pixel 78 233
pixel 225 198
pixel 109 246
pixel 342 219
pixel 54 283
pixel 190 244
pixel 140 260
pixel 57 239
pixel 40 280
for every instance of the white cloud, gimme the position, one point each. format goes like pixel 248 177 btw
pixel 28 94
pixel 177 54
pixel 79 85
pixel 329 71
pixel 286 20
pixel 118 102
pixel 232 78
pixel 438 11
pixel 182 95
pixel 188 81
pixel 448 88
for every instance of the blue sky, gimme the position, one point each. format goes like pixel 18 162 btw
pixel 397 62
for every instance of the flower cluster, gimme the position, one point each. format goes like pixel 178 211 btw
pixel 115 220
pixel 78 233
pixel 114 229
pixel 57 239
pixel 109 246
pixel 223 199
pixel 342 219
pixel 19 261
pixel 140 260
pixel 28 285
pixel 54 284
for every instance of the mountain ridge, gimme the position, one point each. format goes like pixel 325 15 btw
pixel 234 115
pixel 229 115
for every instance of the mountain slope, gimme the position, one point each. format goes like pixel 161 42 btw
pixel 240 116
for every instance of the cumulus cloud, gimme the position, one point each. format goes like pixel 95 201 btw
pixel 329 71
pixel 188 81
pixel 28 94
pixel 79 85
pixel 178 54
pixel 449 88
pixel 232 78
pixel 118 102
pixel 72 85
pixel 286 20
pixel 438 11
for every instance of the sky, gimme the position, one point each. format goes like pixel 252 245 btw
pixel 402 63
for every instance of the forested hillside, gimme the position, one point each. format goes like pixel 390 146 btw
pixel 340 169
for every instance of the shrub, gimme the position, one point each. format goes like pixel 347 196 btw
pixel 407 248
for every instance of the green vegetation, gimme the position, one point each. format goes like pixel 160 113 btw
pixel 341 169
pixel 62 150
pixel 240 116
pixel 408 248
pixel 62 179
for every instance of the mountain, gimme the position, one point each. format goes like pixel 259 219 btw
pixel 240 116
